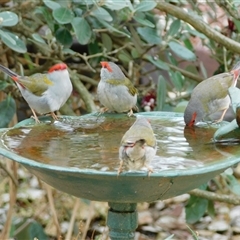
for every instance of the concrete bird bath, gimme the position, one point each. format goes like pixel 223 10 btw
pixel 79 156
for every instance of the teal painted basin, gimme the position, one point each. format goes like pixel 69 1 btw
pixel 102 184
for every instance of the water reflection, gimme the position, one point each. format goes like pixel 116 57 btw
pixel 93 143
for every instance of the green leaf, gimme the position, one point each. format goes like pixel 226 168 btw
pixel 6 36
pixel 174 28
pixel 78 12
pixel 51 4
pixel 161 93
pixel 64 37
pixel 235 2
pixel 107 41
pixel 210 209
pixel 149 35
pixel 8 19
pixel 157 62
pixel 124 57
pixel 110 27
pixel 203 70
pixel 196 33
pixel 195 209
pixel 135 54
pixel 229 127
pixel 182 51
pixel 144 22
pixel 69 51
pixel 145 6
pixel 171 58
pixel 181 106
pixel 102 14
pixel 233 183
pixel 3 85
pixel 93 48
pixel 116 5
pixel 188 44
pixel 46 15
pixel 237 24
pixel 13 42
pixel 38 38
pixel 234 94
pixel 63 15
pixel 28 229
pixel 36 231
pixel 177 80
pixel 82 30
pixel 7 111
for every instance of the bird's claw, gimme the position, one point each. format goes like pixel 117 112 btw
pixel 36 119
pixel 120 168
pixel 130 113
pixel 54 116
pixel 150 170
pixel 102 110
pixel 35 116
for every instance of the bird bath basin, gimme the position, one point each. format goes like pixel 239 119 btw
pixel 79 156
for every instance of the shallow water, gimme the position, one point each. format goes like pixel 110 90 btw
pixel 93 143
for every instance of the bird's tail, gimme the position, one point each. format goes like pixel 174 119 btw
pixel 10 73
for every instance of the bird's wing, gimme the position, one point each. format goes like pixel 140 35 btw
pixel 132 90
pixel 36 84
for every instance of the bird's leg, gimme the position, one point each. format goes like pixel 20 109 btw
pixel 130 113
pixel 222 116
pixel 35 116
pixel 54 116
pixel 102 110
pixel 120 167
pixel 150 170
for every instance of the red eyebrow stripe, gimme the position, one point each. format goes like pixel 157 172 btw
pixel 57 67
pixel 107 66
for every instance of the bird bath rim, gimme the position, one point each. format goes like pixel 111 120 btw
pixel 225 163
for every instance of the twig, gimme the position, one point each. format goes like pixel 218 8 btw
pixel 53 210
pixel 88 80
pixel 182 71
pixel 103 53
pixel 72 220
pixel 232 199
pixel 186 73
pixel 227 6
pixel 81 89
pixel 90 215
pixel 199 25
pixel 8 173
pixel 12 202
pixel 67 110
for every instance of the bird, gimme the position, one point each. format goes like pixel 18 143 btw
pixel 138 146
pixel 44 93
pixel 211 96
pixel 115 91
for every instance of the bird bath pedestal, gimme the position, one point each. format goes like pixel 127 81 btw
pixel 59 153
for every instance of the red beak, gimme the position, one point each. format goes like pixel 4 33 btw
pixel 191 123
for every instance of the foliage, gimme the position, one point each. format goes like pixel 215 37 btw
pixel 234 94
pixel 84 32
pixel 157 48
pixel 81 33
pixel 196 207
